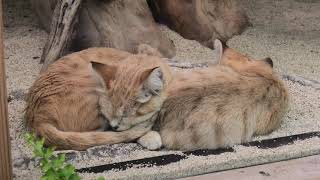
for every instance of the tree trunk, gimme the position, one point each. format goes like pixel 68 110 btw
pixel 62 25
pixel 124 24
pixel 120 24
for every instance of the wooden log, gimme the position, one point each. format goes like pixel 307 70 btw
pixel 201 20
pixel 62 25
pixel 118 24
pixel 124 25
pixel 5 154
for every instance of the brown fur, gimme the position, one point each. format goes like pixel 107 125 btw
pixel 222 105
pixel 73 100
pixel 213 107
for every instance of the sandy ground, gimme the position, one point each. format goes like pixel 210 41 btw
pixel 287 30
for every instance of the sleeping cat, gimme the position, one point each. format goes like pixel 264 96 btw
pixel 221 105
pixel 72 102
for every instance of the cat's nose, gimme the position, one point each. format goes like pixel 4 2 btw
pixel 269 61
pixel 115 127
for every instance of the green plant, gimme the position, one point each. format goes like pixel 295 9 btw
pixel 101 178
pixel 53 167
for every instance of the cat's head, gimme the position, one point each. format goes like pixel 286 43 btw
pixel 136 89
pixel 241 63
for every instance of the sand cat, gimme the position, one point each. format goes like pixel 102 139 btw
pixel 220 105
pixel 72 102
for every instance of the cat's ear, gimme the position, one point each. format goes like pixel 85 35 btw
pixel 217 52
pixel 107 72
pixel 152 84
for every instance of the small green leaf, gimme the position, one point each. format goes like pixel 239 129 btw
pixel 45 165
pixel 30 138
pixel 57 163
pixel 53 167
pixel 67 171
pixel 50 175
pixel 38 148
pixel 44 177
pixel 100 178
pixel 48 152
pixel 40 142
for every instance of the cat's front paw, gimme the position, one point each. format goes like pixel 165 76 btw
pixel 151 140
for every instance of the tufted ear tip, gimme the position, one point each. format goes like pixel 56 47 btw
pixel 218 51
pixel 217 43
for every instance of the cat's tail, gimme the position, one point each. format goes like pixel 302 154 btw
pixel 84 140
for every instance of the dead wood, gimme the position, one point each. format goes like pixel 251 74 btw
pixel 62 25
pixel 120 24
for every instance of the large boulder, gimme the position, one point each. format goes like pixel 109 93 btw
pixel 201 20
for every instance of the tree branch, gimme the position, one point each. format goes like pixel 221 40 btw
pixel 63 21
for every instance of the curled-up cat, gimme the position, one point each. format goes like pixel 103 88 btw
pixel 71 103
pixel 221 105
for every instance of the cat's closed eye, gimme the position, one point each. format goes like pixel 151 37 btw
pixel 144 96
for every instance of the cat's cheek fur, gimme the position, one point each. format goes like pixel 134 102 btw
pixel 127 123
pixel 151 140
pixel 123 127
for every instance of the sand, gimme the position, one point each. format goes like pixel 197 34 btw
pixel 288 31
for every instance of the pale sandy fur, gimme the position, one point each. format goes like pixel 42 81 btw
pixel 213 107
pixel 222 105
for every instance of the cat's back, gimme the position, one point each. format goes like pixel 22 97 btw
pixel 202 81
pixel 70 82
pixel 76 69
pixel 219 86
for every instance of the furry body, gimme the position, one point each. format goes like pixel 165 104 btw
pixel 214 107
pixel 72 102
pixel 222 105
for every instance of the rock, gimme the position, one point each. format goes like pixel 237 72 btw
pixel 204 20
